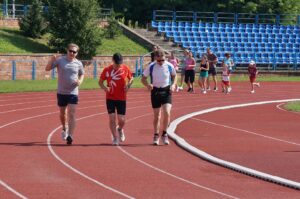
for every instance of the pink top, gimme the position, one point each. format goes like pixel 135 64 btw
pixel 174 62
pixel 188 63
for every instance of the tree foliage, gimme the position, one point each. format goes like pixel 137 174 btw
pixel 33 23
pixel 141 10
pixel 75 22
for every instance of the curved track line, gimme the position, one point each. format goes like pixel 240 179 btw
pixel 131 156
pixel 246 131
pixel 279 107
pixel 12 190
pixel 181 142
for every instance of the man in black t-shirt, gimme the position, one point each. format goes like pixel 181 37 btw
pixel 213 60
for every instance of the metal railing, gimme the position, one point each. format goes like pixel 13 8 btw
pixel 224 17
pixel 15 11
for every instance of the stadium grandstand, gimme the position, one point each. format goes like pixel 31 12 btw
pixel 273 41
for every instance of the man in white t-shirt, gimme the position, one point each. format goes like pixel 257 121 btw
pixel 162 83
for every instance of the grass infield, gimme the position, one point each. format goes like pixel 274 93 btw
pixel 293 106
pixel 8 86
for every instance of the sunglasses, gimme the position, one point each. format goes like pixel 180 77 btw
pixel 160 60
pixel 72 51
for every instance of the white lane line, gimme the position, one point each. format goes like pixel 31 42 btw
pixel 77 171
pixel 246 131
pixel 174 176
pixel 280 105
pixel 128 154
pixel 185 145
pixel 12 190
pixel 167 173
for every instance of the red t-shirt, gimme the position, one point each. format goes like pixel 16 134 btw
pixel 116 80
pixel 252 71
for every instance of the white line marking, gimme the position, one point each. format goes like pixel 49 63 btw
pixel 181 142
pixel 77 171
pixel 128 154
pixel 172 175
pixel 279 107
pixel 12 190
pixel 249 132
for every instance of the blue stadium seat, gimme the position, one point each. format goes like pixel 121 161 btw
pixel 154 24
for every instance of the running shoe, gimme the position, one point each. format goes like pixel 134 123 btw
pixel 156 139
pixel 165 139
pixel 180 88
pixel 69 140
pixel 208 89
pixel 229 89
pixel 64 135
pixel 215 89
pixel 252 91
pixel 204 92
pixel 189 90
pixel 121 134
pixel 115 142
pixel 258 84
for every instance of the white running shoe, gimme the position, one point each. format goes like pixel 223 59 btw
pixel 115 142
pixel 252 91
pixel 177 89
pixel 229 89
pixel 156 139
pixel 64 135
pixel 180 88
pixel 258 84
pixel 204 92
pixel 121 134
pixel 165 139
pixel 208 89
pixel 215 89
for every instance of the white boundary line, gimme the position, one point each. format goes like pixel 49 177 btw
pixel 12 190
pixel 185 145
pixel 279 107
pixel 246 131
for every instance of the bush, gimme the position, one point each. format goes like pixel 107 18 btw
pixel 75 22
pixel 113 29
pixel 33 23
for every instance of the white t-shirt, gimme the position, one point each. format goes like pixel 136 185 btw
pixel 161 76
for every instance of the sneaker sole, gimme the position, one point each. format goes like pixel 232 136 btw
pixel 69 140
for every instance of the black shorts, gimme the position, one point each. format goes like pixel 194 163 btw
pixel 161 96
pixel 212 71
pixel 113 105
pixel 64 100
pixel 189 76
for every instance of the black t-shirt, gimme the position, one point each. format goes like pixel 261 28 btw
pixel 211 58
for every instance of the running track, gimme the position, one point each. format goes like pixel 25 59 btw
pixel 36 164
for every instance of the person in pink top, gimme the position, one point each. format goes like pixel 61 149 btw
pixel 190 65
pixel 175 62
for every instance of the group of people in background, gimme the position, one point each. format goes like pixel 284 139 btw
pixel 159 77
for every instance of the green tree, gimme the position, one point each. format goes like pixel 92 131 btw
pixel 75 22
pixel 113 29
pixel 33 23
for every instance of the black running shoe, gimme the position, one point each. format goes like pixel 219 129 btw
pixel 69 140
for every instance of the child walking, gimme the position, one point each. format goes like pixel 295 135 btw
pixel 252 71
pixel 225 78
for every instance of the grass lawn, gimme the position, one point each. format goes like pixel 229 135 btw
pixel 8 86
pixel 13 42
pixel 292 106
pixel 48 85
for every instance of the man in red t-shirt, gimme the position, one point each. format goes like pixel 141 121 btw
pixel 116 89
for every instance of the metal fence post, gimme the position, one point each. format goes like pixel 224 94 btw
pixel 236 16
pixel 277 21
pixel 274 62
pixel 14 70
pixel 141 65
pixel 154 15
pixel 174 16
pixel 256 19
pixel 215 17
pixel 33 72
pixel 136 67
pixel 295 61
pixel 95 69
pixel 53 73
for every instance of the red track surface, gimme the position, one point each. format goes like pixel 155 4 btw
pixel 137 168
